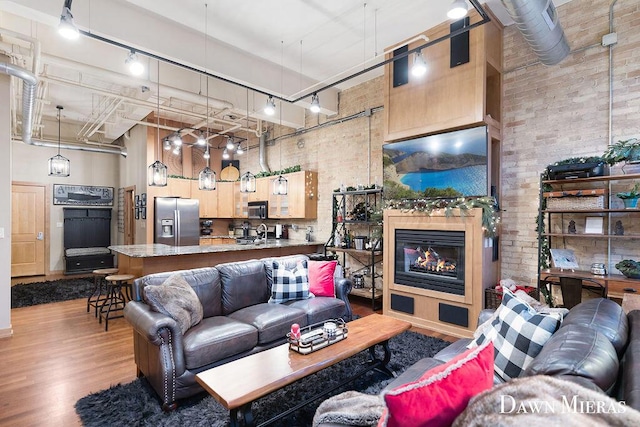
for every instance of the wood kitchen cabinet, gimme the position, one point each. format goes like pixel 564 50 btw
pixel 301 200
pixel 208 200
pixel 263 189
pixel 226 199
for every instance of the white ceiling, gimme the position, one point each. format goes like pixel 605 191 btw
pixel 282 47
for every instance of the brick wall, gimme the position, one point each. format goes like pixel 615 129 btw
pixel 562 111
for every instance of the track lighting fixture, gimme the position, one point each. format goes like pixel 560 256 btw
pixel 225 154
pixel 135 65
pixel 177 139
pixel 201 140
pixel 166 144
pixel 176 150
pixel 67 28
pixel 59 165
pixel 206 154
pixel 239 149
pixel 270 108
pixel 230 144
pixel 419 67
pixel 457 10
pixel 315 103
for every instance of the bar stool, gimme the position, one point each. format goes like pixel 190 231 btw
pixel 115 298
pixel 98 296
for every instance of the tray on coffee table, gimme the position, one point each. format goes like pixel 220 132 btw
pixel 314 337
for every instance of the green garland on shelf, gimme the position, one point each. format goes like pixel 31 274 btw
pixel 490 216
pixel 292 169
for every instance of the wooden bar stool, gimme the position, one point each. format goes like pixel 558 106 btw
pixel 115 298
pixel 99 294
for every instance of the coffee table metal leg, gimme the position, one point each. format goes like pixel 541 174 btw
pixel 242 416
pixel 381 364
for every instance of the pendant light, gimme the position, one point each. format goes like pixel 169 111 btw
pixel 280 186
pixel 248 180
pixel 59 165
pixel 157 171
pixel 206 177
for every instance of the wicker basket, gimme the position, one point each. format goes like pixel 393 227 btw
pixel 584 202
pixel 493 298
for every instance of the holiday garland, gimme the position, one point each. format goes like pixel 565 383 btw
pixel 490 217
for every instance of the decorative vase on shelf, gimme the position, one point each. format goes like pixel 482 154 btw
pixel 630 203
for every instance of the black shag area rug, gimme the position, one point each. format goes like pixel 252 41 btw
pixel 27 294
pixel 136 404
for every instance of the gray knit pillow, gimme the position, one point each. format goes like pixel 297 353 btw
pixel 177 299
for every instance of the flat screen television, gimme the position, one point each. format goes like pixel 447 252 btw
pixel 447 165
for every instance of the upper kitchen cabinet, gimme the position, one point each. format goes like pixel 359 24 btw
pixel 226 199
pixel 262 190
pixel 208 200
pixel 462 85
pixel 301 200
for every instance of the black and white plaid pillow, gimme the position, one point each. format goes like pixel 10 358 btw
pixel 518 333
pixel 289 284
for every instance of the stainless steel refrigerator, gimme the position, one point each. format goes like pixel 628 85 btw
pixel 177 221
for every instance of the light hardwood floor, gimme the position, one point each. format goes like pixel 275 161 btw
pixel 59 353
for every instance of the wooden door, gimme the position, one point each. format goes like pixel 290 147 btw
pixel 27 230
pixel 129 216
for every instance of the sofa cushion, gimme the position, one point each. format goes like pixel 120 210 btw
pixel 289 261
pixel 272 321
pixel 216 338
pixel 243 284
pixel 579 351
pixel 321 282
pixel 204 281
pixel 631 363
pixel 604 315
pixel 289 282
pixel 518 333
pixel 442 393
pixel 176 299
pixel 319 309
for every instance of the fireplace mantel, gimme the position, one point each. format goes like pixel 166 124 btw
pixel 445 312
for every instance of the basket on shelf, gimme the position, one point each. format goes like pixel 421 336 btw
pixel 493 297
pixel 576 199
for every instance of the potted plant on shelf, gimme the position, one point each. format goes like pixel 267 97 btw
pixel 630 198
pixel 629 268
pixel 627 151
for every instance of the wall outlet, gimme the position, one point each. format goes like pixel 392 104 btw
pixel 59 224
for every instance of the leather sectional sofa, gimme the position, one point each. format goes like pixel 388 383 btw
pixel 237 321
pixel 597 346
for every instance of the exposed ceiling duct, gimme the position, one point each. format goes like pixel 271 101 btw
pixel 538 22
pixel 262 152
pixel 29 86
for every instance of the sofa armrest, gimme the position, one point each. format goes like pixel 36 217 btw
pixel 343 287
pixel 154 327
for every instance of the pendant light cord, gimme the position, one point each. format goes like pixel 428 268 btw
pixel 158 118
pixel 206 31
pixel 59 108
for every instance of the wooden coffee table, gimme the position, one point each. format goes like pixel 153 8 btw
pixel 237 384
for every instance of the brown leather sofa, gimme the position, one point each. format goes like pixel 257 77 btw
pixel 237 322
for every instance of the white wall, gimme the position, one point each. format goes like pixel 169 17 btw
pixel 133 172
pixel 5 207
pixel 87 168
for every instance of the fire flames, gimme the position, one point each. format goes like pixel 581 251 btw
pixel 432 262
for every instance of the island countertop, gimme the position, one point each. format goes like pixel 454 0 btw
pixel 144 259
pixel 160 250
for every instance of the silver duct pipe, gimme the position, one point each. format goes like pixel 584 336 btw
pixel 80 147
pixel 29 86
pixel 262 152
pixel 538 22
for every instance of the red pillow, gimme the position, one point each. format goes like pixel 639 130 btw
pixel 442 393
pixel 321 278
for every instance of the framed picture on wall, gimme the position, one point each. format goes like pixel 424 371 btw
pixel 82 195
pixel 137 200
pixel 137 213
pixel 143 212
pixel 143 199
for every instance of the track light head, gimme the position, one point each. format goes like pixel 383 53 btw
pixel 457 10
pixel 67 28
pixel 419 67
pixel 239 149
pixel 315 103
pixel 206 154
pixel 166 144
pixel 225 154
pixel 201 140
pixel 270 107
pixel 136 67
pixel 177 140
pixel 230 145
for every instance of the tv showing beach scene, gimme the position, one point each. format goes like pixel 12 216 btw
pixel 448 165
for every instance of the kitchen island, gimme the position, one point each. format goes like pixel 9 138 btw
pixel 144 259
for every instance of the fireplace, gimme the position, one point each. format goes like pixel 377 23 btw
pixel 436 267
pixel 430 259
